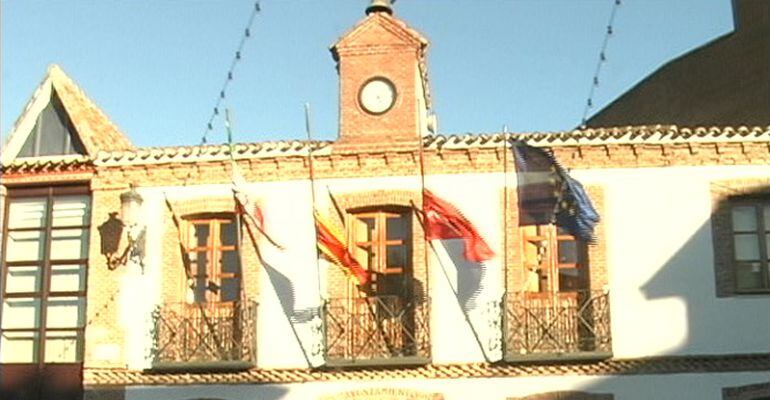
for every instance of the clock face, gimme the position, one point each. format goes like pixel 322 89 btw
pixel 377 96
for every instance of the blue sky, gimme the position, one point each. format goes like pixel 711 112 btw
pixel 156 67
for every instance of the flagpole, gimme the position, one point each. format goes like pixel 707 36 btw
pixel 424 223
pixel 238 219
pixel 506 199
pixel 311 175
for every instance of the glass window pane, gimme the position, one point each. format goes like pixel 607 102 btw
pixel 71 211
pixel 200 289
pixel 398 228
pixel 571 280
pixel 746 247
pixel 22 279
pixel 21 313
pixel 567 252
pixel 230 261
pixel 61 347
pixel 229 289
pixel 69 244
pixel 24 246
pixel 227 234
pixel 27 213
pixel 748 276
pixel 68 278
pixel 19 347
pixel 396 256
pixel 767 218
pixel 199 261
pixel 744 218
pixel 200 235
pixel 65 312
pixel 363 229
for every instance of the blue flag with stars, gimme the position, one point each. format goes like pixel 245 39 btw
pixel 548 194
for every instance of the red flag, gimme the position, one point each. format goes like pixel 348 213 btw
pixel 445 221
pixel 331 245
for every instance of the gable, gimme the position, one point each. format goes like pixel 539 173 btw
pixel 53 133
pixel 378 29
pixel 59 120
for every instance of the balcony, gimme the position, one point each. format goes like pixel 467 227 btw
pixel 377 330
pixel 551 326
pixel 204 336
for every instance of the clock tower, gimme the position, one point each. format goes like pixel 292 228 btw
pixel 384 96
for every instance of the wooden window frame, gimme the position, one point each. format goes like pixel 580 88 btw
pixel 379 240
pixel 214 250
pixel 44 293
pixel 550 234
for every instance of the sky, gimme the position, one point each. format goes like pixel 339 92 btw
pixel 156 67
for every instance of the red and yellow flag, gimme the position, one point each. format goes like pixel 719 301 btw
pixel 332 245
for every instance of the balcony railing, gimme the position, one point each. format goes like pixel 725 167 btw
pixel 557 325
pixel 377 330
pixel 204 336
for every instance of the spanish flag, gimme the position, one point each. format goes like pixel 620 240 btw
pixel 332 245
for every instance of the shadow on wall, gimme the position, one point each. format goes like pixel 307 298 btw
pixel 110 233
pixel 709 318
pixel 469 275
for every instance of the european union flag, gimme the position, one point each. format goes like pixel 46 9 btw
pixel 547 194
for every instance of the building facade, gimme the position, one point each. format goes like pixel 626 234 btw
pixel 135 273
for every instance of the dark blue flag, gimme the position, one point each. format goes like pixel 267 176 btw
pixel 547 194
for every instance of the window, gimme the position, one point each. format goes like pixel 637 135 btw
pixel 751 241
pixel 554 260
pixel 381 242
pixel 53 133
pixel 558 307
pixel 44 276
pixel 214 262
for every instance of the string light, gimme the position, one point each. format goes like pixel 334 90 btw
pixel 230 73
pixel 602 59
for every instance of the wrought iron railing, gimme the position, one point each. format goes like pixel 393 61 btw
pixel 204 335
pixel 377 330
pixel 549 325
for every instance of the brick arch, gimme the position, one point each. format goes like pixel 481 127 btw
pixel 203 205
pixel 566 395
pixel 759 391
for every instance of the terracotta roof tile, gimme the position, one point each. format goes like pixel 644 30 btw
pixel 94 128
pixel 588 137
pixel 656 365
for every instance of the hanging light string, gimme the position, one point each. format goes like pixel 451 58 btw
pixel 600 62
pixel 230 74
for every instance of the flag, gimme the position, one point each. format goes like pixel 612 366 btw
pixel 548 194
pixel 444 221
pixel 333 247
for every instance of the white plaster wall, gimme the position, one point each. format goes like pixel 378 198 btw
pixel 659 257
pixel 661 265
pixel 633 387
